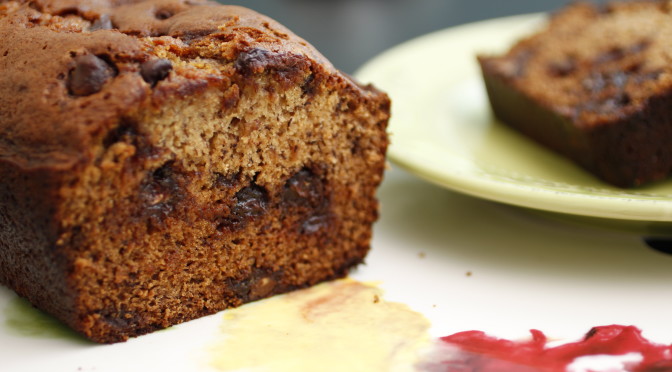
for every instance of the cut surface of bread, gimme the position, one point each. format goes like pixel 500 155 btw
pixel 163 160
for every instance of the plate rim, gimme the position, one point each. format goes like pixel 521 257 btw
pixel 598 204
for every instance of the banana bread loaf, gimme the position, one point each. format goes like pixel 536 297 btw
pixel 166 159
pixel 595 86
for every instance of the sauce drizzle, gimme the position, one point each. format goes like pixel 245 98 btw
pixel 483 353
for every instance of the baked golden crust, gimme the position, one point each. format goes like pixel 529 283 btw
pixel 42 40
pixel 162 160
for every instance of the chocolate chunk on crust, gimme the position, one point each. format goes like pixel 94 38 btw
pixel 89 75
pixel 155 70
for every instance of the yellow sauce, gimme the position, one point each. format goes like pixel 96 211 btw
pixel 338 326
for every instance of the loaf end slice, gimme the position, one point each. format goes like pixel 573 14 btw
pixel 594 86
pixel 164 160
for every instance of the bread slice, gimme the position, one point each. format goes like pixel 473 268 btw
pixel 162 160
pixel 595 86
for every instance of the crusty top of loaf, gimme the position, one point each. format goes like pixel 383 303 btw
pixel 48 118
pixel 594 64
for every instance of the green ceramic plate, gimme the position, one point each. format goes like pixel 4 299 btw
pixel 442 130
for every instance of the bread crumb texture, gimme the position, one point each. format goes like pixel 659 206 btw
pixel 162 160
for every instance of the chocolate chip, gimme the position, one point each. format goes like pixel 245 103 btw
pixel 89 75
pixel 309 86
pixel 125 132
pixel 122 320
pixel 250 202
pixel 259 283
pixel 562 68
pixel 155 70
pixel 162 14
pixel 102 23
pixel 623 99
pixel 611 55
pixel 618 53
pixel 253 61
pixel 189 36
pixel 68 11
pixel 160 193
pixel 304 200
pixel 303 189
pixel 290 69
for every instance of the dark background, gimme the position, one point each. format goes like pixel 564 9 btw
pixel 350 32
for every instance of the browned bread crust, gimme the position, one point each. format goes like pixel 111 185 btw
pixel 162 160
pixel 595 86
